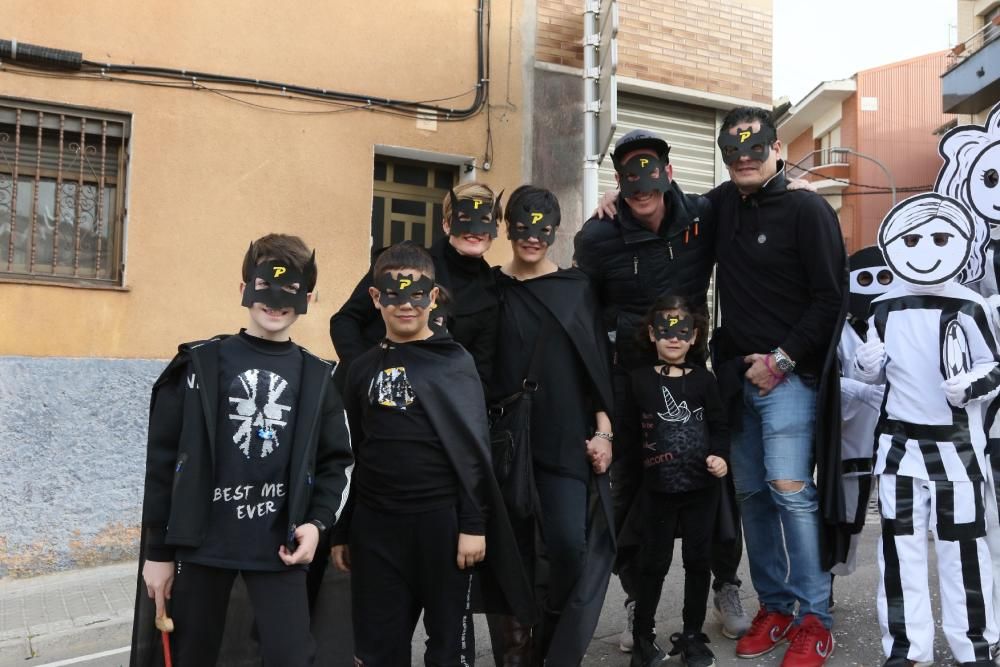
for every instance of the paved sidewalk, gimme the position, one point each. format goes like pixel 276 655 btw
pixel 54 618
pixel 72 613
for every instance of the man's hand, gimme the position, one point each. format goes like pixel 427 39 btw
pixel 341 555
pixel 471 550
pixel 306 537
pixel 763 373
pixel 159 578
pixel 800 184
pixel 599 453
pixel 607 207
pixel 716 466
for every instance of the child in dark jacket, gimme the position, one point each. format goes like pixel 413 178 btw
pixel 248 463
pixel 685 446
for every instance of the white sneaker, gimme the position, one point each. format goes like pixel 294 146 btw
pixel 625 641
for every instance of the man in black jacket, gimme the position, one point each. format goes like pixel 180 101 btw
pixel 781 278
pixel 660 242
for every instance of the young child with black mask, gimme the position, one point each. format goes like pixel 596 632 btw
pixel 417 518
pixel 685 441
pixel 248 462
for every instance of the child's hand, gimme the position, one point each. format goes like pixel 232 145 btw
pixel 599 454
pixel 306 537
pixel 717 466
pixel 341 555
pixel 159 579
pixel 471 550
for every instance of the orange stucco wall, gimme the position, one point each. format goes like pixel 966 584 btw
pixel 207 174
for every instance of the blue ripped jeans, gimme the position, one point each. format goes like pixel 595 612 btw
pixel 777 444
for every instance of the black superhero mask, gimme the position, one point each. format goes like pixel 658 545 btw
pixel 641 167
pixel 279 276
pixel 534 223
pixel 746 143
pixel 404 289
pixel 481 215
pixel 666 327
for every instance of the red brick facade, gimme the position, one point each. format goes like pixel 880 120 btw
pixel 715 46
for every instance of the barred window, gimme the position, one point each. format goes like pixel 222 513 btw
pixel 406 203
pixel 62 193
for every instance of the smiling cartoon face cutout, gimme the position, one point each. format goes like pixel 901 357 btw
pixel 928 239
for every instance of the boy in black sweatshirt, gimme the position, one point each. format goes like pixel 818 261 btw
pixel 248 462
pixel 424 497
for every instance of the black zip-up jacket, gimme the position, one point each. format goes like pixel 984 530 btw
pixel 473 316
pixel 781 272
pixel 180 452
pixel 630 266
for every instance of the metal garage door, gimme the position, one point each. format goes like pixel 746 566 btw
pixel 689 130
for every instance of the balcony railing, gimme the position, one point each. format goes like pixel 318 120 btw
pixel 977 40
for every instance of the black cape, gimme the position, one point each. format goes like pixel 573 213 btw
pixel 444 378
pixel 567 296
pixel 239 645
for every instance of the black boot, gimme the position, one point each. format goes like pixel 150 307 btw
pixel 517 643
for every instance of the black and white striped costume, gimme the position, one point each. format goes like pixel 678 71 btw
pixel 860 404
pixel 989 289
pixel 930 458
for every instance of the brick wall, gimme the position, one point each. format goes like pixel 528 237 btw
pixel 715 46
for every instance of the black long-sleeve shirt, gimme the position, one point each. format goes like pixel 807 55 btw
pixel 682 422
pixel 781 263
pixel 473 313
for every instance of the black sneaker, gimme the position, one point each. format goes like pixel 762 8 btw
pixel 693 649
pixel 646 653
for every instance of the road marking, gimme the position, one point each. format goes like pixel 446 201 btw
pixel 83 658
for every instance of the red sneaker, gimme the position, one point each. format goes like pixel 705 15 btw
pixel 811 644
pixel 767 630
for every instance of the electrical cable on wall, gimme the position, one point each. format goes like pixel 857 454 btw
pixel 54 60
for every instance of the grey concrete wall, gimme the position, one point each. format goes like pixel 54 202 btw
pixel 557 142
pixel 72 456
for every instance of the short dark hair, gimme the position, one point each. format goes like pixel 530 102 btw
pixel 748 115
pixel 405 255
pixel 282 248
pixel 532 198
pixel 682 304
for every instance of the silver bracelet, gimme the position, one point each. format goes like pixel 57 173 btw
pixel 610 437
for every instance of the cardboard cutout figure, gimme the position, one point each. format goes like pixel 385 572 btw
pixel 970 174
pixel 860 403
pixel 932 344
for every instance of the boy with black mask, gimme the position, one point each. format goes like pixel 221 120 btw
pixel 425 498
pixel 248 462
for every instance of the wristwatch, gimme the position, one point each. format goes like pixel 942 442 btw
pixel 319 525
pixel 782 361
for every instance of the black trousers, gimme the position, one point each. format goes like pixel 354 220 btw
pixel 664 516
pixel 626 477
pixel 402 564
pixel 198 604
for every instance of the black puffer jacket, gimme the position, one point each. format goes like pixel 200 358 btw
pixel 631 266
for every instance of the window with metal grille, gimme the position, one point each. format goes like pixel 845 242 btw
pixel 62 193
pixel 406 203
